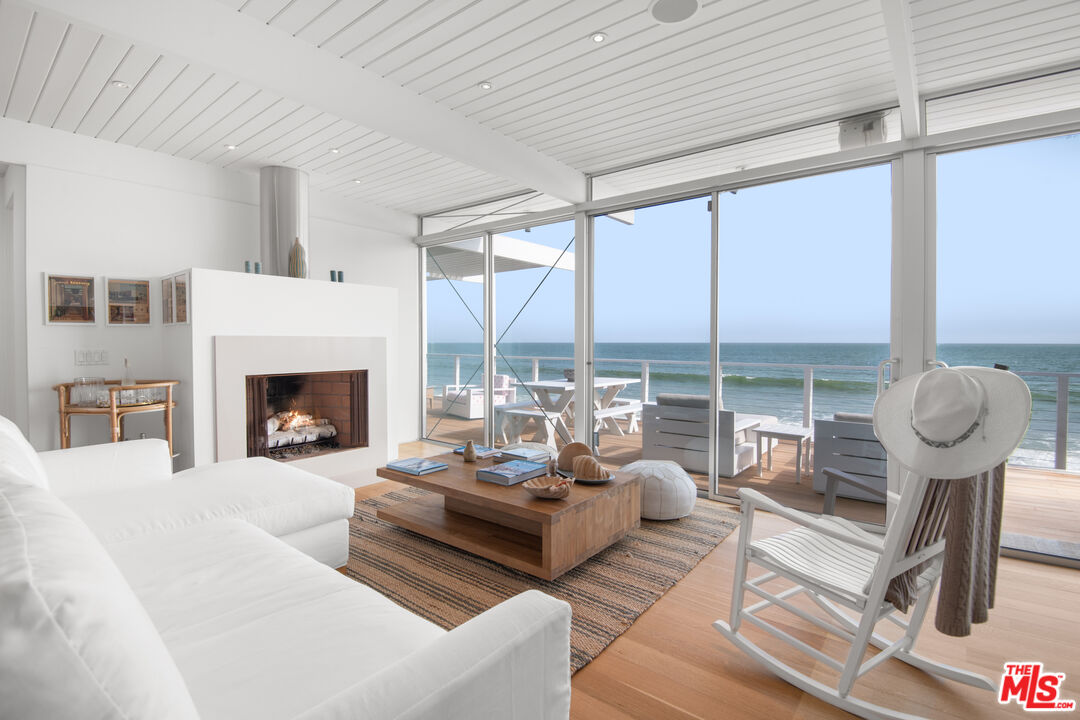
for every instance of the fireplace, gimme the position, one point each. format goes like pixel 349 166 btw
pixel 298 415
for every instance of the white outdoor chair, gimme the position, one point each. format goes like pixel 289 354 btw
pixel 836 564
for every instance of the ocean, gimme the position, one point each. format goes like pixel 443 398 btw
pixel 755 381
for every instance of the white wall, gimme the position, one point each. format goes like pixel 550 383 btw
pixel 379 259
pixel 84 225
pixel 14 402
pixel 97 208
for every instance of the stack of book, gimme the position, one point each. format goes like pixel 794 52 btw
pixel 511 473
pixel 481 451
pixel 522 453
pixel 417 466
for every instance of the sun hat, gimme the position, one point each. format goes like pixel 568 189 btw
pixel 953 423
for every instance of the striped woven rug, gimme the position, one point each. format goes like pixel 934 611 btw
pixel 607 592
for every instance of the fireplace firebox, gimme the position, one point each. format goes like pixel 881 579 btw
pixel 296 415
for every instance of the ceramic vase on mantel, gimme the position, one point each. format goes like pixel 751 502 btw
pixel 469 454
pixel 297 261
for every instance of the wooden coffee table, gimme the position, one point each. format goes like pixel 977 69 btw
pixel 544 538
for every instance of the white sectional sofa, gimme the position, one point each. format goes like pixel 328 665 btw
pixel 125 490
pixel 190 609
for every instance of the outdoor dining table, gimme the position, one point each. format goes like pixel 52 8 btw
pixel 555 396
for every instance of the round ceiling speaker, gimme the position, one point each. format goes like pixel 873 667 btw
pixel 673 11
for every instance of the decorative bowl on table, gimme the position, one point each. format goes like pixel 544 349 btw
pixel 548 487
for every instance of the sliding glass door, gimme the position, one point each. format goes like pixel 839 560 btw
pixel 454 288
pixel 1008 247
pixel 534 334
pixel 651 334
pixel 803 285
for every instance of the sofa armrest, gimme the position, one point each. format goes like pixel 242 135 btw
pixel 106 467
pixel 512 661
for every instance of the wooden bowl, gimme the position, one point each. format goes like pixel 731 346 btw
pixel 548 487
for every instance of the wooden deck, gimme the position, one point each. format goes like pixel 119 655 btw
pixel 1037 502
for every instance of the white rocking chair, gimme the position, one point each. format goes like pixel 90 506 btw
pixel 836 563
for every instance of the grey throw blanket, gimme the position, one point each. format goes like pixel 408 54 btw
pixel 972 536
pixel 972 539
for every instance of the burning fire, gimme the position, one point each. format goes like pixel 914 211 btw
pixel 294 419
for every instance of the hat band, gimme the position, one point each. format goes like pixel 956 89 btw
pixel 944 444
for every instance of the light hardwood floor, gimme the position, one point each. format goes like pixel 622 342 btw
pixel 672 664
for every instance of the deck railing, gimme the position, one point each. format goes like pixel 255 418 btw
pixel 1062 384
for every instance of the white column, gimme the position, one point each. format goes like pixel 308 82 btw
pixel 714 339
pixel 583 328
pixel 913 330
pixel 422 265
pixel 489 342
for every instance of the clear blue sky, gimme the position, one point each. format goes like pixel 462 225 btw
pixel 808 260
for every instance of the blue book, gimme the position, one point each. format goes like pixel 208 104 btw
pixel 481 451
pixel 511 473
pixel 417 466
pixel 525 454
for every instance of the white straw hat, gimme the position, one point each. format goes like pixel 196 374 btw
pixel 952 423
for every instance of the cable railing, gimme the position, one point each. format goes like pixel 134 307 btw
pixel 1056 428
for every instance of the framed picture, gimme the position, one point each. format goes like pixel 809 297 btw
pixel 181 290
pixel 128 302
pixel 69 300
pixel 167 317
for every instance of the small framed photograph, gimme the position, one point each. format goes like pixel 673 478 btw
pixel 181 290
pixel 69 300
pixel 167 317
pixel 128 302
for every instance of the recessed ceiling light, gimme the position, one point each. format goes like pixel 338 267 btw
pixel 485 85
pixel 673 11
pixel 120 84
pixel 334 150
pixel 231 147
pixel 598 37
pixel 357 181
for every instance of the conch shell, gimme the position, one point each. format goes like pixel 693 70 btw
pixel 552 488
pixel 570 452
pixel 586 467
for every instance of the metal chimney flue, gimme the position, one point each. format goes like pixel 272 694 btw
pixel 283 216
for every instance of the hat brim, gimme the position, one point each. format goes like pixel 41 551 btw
pixel 1008 402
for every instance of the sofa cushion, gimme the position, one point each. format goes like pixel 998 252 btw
pixel 692 401
pixel 262 630
pixel 74 640
pixel 17 455
pixel 853 417
pixel 106 467
pixel 276 497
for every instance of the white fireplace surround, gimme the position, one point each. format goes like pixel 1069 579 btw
pixel 236 357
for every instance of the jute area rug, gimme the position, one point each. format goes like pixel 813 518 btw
pixel 607 592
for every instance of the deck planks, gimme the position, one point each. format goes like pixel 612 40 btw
pixel 1043 503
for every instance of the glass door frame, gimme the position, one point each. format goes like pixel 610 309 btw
pixel 912 321
pixel 489 323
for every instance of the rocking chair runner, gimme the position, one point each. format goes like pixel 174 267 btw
pixel 836 564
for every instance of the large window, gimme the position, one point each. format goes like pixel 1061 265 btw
pixel 804 293
pixel 651 322
pixel 534 333
pixel 1008 248
pixel 455 348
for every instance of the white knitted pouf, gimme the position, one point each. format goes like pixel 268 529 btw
pixel 667 492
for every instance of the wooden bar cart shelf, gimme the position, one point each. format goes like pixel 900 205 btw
pixel 115 411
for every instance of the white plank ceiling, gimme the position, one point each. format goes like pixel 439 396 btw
pixel 738 68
